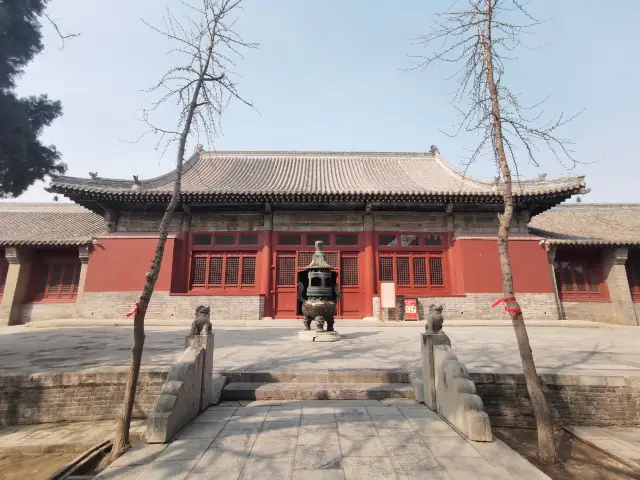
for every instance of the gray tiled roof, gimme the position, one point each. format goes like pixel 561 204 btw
pixel 47 224
pixel 287 175
pixel 589 224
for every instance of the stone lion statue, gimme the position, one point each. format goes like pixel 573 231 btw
pixel 435 318
pixel 202 323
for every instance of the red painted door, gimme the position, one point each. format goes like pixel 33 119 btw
pixel 286 285
pixel 349 279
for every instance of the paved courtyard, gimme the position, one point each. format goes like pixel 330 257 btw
pixel 321 440
pixel 481 348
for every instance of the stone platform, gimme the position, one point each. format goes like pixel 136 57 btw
pixel 318 336
pixel 321 440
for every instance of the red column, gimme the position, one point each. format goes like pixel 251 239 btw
pixel 265 272
pixel 368 274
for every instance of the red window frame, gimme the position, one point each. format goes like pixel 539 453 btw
pixel 633 275
pixel 47 285
pixel 226 284
pixel 579 279
pixel 4 269
pixel 412 284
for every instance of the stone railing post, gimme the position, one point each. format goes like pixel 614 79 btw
pixel 204 342
pixel 429 340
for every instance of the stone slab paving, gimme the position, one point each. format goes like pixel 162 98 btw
pixel 322 440
pixel 61 437
pixel 606 351
pixel 621 443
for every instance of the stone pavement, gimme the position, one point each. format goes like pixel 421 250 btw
pixel 61 437
pixel 621 443
pixel 606 351
pixel 321 440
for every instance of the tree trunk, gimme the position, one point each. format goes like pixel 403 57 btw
pixel 121 440
pixel 546 444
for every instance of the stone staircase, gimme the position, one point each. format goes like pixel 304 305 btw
pixel 318 385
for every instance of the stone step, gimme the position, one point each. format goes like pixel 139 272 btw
pixel 320 376
pixel 316 391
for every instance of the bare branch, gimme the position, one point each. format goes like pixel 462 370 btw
pixel 63 36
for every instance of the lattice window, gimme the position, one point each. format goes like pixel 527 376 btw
pixel 633 274
pixel 578 279
pixel 222 270
pixel 403 271
pixel 215 270
pixel 436 273
pixel 413 270
pixel 386 269
pixel 349 271
pixel 388 240
pixel 304 259
pixel 248 239
pixel 249 271
pixel 410 240
pixel 347 239
pixel 56 279
pixel 312 238
pixel 202 239
pixel 225 239
pixel 419 271
pixel 332 259
pixel 433 240
pixel 289 239
pixel 4 268
pixel 286 271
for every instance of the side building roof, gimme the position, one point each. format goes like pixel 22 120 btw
pixel 47 224
pixel 241 176
pixel 589 224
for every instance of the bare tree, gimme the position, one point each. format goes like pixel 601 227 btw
pixel 202 86
pixel 476 40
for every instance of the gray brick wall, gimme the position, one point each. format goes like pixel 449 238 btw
pixel 115 305
pixel 64 397
pixel 574 399
pixel 589 311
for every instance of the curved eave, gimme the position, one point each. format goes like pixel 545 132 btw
pixel 83 195
pixel 76 242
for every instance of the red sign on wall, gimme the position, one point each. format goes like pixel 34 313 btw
pixel 411 309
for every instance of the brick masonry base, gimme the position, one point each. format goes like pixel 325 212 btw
pixel 116 305
pixel 574 399
pixel 74 397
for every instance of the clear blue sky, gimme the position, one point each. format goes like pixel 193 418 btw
pixel 331 75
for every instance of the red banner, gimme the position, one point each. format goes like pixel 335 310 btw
pixel 411 309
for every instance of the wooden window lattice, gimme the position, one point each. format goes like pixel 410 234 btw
pixel 202 239
pixel 286 271
pixel 225 239
pixel 56 279
pixel 312 238
pixel 386 269
pixel 387 240
pixel 433 240
pixel 248 239
pixel 289 239
pixel 215 270
pixel 249 271
pixel 420 271
pixel 436 273
pixel 349 271
pixel 347 240
pixel 403 271
pixel 577 279
pixel 410 240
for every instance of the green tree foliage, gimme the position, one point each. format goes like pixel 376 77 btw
pixel 23 157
